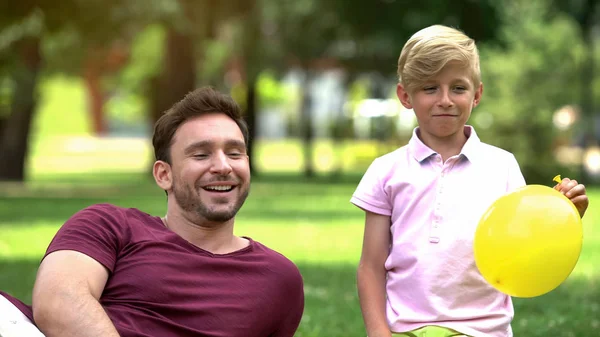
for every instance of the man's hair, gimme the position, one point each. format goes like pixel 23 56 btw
pixel 429 50
pixel 199 102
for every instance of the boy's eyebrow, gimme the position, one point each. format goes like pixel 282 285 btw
pixel 208 143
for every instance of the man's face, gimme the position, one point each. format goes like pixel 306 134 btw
pixel 210 168
pixel 443 104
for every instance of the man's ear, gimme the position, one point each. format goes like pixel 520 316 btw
pixel 403 96
pixel 163 175
pixel 478 94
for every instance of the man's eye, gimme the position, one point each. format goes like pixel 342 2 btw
pixel 200 156
pixel 235 154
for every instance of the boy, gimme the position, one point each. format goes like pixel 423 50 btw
pixel 417 274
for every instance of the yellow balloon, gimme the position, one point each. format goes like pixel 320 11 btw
pixel 528 241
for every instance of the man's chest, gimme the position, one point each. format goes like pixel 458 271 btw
pixel 202 295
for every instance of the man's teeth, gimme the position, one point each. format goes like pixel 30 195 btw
pixel 219 188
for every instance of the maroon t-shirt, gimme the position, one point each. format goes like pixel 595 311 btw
pixel 162 285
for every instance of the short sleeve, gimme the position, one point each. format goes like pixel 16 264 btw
pixel 370 195
pixel 515 177
pixel 95 231
pixel 295 303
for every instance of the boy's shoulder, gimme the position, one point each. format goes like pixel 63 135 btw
pixel 400 152
pixel 489 152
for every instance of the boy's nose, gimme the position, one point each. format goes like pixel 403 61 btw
pixel 445 100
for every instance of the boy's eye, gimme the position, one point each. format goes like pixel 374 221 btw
pixel 429 88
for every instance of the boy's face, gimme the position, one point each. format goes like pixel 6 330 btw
pixel 443 104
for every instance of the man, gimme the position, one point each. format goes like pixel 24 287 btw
pixel 112 271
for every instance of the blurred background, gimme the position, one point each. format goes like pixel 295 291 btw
pixel 82 82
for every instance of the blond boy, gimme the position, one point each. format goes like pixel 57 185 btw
pixel 417 275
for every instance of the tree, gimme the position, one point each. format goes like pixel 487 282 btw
pixel 587 15
pixel 525 79
pixel 74 44
pixel 30 25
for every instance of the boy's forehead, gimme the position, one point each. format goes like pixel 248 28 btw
pixel 455 72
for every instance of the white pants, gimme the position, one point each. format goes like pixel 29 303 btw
pixel 13 323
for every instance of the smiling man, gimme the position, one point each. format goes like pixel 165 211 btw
pixel 113 271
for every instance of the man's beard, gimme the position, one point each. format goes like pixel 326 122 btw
pixel 189 201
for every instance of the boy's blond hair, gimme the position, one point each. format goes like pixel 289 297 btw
pixel 427 52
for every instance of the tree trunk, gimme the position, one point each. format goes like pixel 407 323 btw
pixel 251 120
pixel 178 76
pixel 96 101
pixel 587 80
pixel 15 136
pixel 306 123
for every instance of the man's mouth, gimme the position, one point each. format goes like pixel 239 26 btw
pixel 219 188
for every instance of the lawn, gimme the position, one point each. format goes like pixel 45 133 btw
pixel 311 222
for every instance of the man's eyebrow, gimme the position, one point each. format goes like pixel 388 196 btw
pixel 207 143
pixel 235 143
pixel 200 144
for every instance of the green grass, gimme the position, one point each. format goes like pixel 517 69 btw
pixel 311 222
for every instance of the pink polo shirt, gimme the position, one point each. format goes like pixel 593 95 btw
pixel 435 207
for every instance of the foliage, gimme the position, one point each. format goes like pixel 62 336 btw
pixel 272 92
pixel 127 102
pixel 526 82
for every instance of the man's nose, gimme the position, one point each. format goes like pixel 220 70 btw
pixel 220 164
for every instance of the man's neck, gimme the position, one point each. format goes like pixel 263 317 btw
pixel 216 238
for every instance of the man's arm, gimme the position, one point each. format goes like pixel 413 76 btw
pixel 66 296
pixel 371 274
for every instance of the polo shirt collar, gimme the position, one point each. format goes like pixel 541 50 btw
pixel 420 151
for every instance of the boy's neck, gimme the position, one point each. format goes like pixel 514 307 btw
pixel 446 147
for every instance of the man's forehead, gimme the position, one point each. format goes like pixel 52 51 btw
pixel 208 130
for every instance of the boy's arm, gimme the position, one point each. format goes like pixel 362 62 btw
pixel 66 296
pixel 371 275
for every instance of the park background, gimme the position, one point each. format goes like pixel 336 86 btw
pixel 81 83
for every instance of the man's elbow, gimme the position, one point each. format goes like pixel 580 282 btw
pixel 51 308
pixel 45 308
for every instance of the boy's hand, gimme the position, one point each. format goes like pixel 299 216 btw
pixel 575 192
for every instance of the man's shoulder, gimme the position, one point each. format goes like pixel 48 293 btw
pixel 111 209
pixel 276 259
pixel 109 213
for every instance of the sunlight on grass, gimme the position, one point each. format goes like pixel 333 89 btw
pixel 300 242
pixel 309 242
pixel 26 241
pixel 310 222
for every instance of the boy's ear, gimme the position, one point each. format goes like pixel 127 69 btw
pixel 403 96
pixel 478 94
